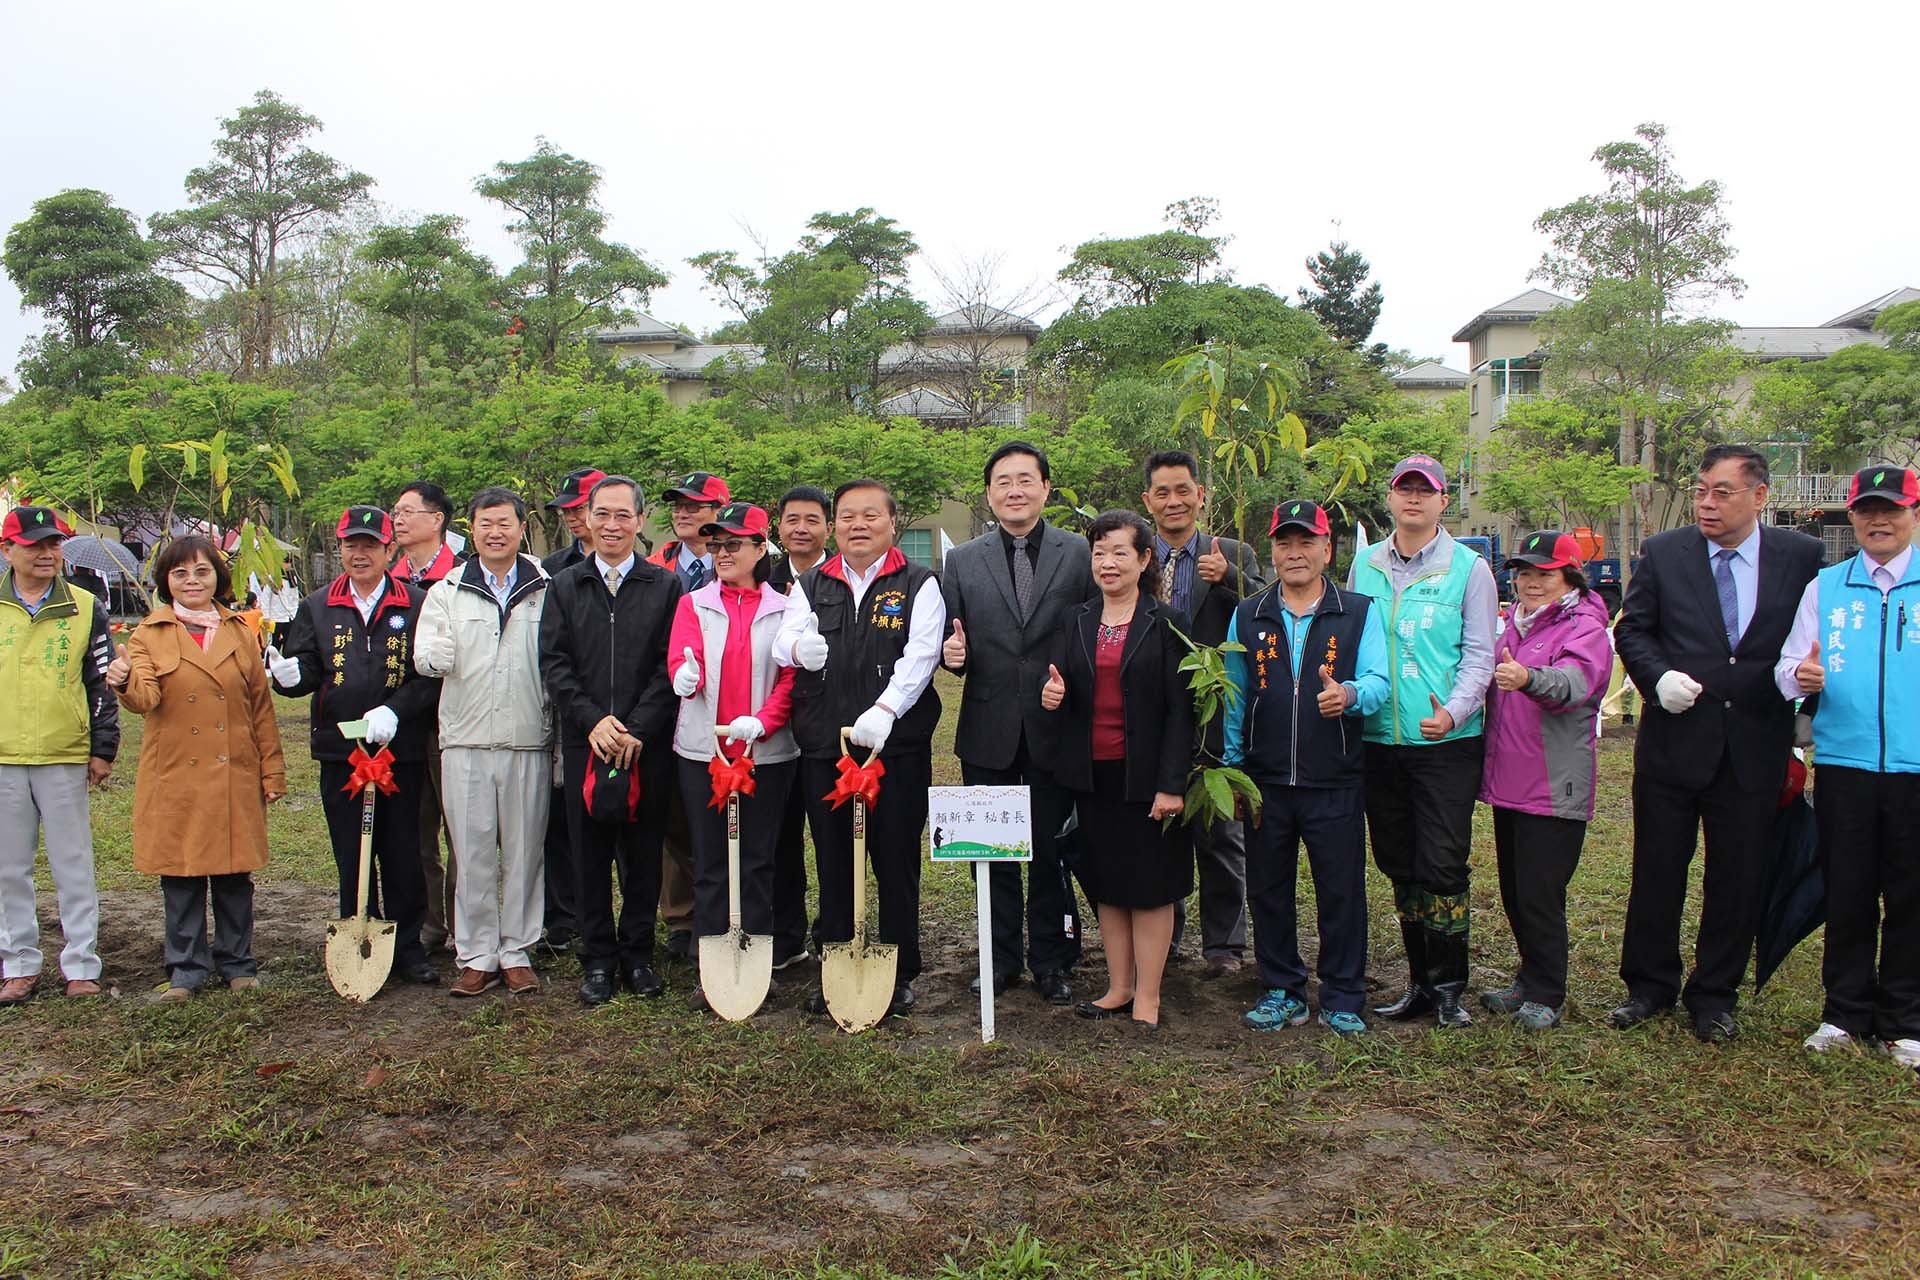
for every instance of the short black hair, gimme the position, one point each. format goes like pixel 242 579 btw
pixel 893 508
pixel 185 550
pixel 804 493
pixel 1010 448
pixel 430 495
pixel 1169 458
pixel 498 496
pixel 1753 462
pixel 639 500
pixel 1132 522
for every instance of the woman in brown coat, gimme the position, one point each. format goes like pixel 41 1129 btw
pixel 210 764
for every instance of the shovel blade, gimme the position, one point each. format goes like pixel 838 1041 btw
pixel 359 956
pixel 736 969
pixel 858 984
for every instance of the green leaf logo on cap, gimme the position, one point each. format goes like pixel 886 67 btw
pixel 1878 476
pixel 1533 542
pixel 40 517
pixel 1296 508
pixel 367 518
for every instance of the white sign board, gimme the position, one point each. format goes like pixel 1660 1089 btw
pixel 979 824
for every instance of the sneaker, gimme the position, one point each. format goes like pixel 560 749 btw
pixel 1905 1052
pixel 1535 1016
pixel 1276 1009
pixel 1828 1037
pixel 1503 1002
pixel 799 957
pixel 1343 1023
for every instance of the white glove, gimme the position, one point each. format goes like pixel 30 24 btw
pixel 285 671
pixel 441 654
pixel 871 729
pixel 810 649
pixel 1677 691
pixel 382 724
pixel 687 678
pixel 746 729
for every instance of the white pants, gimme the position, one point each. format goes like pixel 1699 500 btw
pixel 496 808
pixel 50 798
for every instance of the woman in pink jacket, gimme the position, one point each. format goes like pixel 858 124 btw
pixel 1554 661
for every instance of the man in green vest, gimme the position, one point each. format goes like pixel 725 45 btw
pixel 59 735
pixel 1424 744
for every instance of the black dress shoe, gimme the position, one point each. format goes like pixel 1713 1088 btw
pixel 1714 1028
pixel 680 944
pixel 419 972
pixel 816 1002
pixel 1001 982
pixel 1053 988
pixel 643 981
pixel 1146 1028
pixel 1096 1012
pixel 559 941
pixel 903 1001
pixel 1636 1010
pixel 596 988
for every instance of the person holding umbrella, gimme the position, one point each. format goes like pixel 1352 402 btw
pixel 1123 725
pixel 1554 663
pixel 720 660
pixel 1856 642
pixel 210 764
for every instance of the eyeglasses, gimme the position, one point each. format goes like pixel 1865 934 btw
pixel 1719 493
pixel 412 511
pixel 731 547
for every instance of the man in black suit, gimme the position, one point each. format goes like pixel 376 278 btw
pixel 1205 577
pixel 1007 592
pixel 1707 611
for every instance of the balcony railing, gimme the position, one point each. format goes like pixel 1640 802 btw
pixel 1502 402
pixel 1800 489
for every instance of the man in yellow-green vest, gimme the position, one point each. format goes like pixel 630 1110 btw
pixel 1424 745
pixel 59 734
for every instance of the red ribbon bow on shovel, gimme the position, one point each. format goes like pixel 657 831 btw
pixel 729 778
pixel 856 780
pixel 377 769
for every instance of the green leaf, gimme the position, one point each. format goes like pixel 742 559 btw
pixel 137 466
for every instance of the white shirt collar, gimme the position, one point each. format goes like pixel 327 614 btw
pixel 1896 566
pixel 1748 552
pixel 603 568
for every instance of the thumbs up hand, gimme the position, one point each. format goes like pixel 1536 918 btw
pixel 1439 724
pixel 810 650
pixel 1811 675
pixel 1334 696
pixel 285 671
pixel 953 651
pixel 119 671
pixel 686 681
pixel 1511 675
pixel 1054 691
pixel 1211 565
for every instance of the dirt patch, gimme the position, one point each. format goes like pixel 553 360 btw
pixel 1757 1196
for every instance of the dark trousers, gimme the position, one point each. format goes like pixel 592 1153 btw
pixel 1873 900
pixel 1052 914
pixel 625 851
pixel 1332 822
pixel 1220 857
pixel 1666 823
pixel 896 827
pixel 190 958
pixel 561 917
pixel 790 876
pixel 1537 855
pixel 760 817
pixel 436 872
pixel 397 891
pixel 676 867
pixel 1420 812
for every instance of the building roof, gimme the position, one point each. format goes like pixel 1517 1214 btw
pixel 1775 343
pixel 690 361
pixel 643 328
pixel 1863 316
pixel 1431 373
pixel 923 403
pixel 979 317
pixel 1522 308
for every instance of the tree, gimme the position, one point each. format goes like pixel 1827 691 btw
pixel 978 362
pixel 1135 271
pixel 1646 254
pixel 84 263
pixel 265 192
pixel 572 278
pixel 426 273
pixel 1861 404
pixel 1343 299
pixel 1553 466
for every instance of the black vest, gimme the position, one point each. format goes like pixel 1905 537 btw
pixel 862 646
pixel 1286 739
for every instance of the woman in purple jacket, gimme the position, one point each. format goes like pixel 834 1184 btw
pixel 1554 662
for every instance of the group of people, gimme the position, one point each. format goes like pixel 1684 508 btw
pixel 575 724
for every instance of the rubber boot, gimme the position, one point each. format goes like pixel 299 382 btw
pixel 1417 1000
pixel 1447 974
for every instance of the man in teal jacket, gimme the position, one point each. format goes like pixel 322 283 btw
pixel 1424 744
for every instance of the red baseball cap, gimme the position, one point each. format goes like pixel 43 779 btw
pixel 365 522
pixel 742 518
pixel 28 525
pixel 575 487
pixel 1419 464
pixel 700 486
pixel 1896 484
pixel 1300 513
pixel 1546 549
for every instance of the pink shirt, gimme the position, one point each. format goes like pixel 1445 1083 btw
pixel 735 696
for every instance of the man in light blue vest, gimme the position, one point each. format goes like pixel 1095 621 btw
pixel 1424 745
pixel 1856 643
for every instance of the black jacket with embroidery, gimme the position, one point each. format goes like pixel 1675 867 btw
pixel 351 667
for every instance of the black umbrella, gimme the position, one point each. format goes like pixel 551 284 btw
pixel 1796 892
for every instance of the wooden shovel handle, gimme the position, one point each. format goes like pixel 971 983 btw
pixel 720 745
pixel 846 745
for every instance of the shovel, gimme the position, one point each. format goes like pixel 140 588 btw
pixel 857 979
pixel 736 968
pixel 359 950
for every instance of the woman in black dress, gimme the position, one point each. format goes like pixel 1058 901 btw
pixel 1125 744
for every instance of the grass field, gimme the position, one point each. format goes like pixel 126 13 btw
pixel 287 1133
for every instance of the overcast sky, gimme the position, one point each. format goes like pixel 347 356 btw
pixel 1433 135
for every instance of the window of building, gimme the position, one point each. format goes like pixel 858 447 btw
pixel 917 546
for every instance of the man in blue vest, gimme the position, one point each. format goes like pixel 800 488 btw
pixel 1424 745
pixel 1856 642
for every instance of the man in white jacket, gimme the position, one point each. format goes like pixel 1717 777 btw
pixel 479 633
